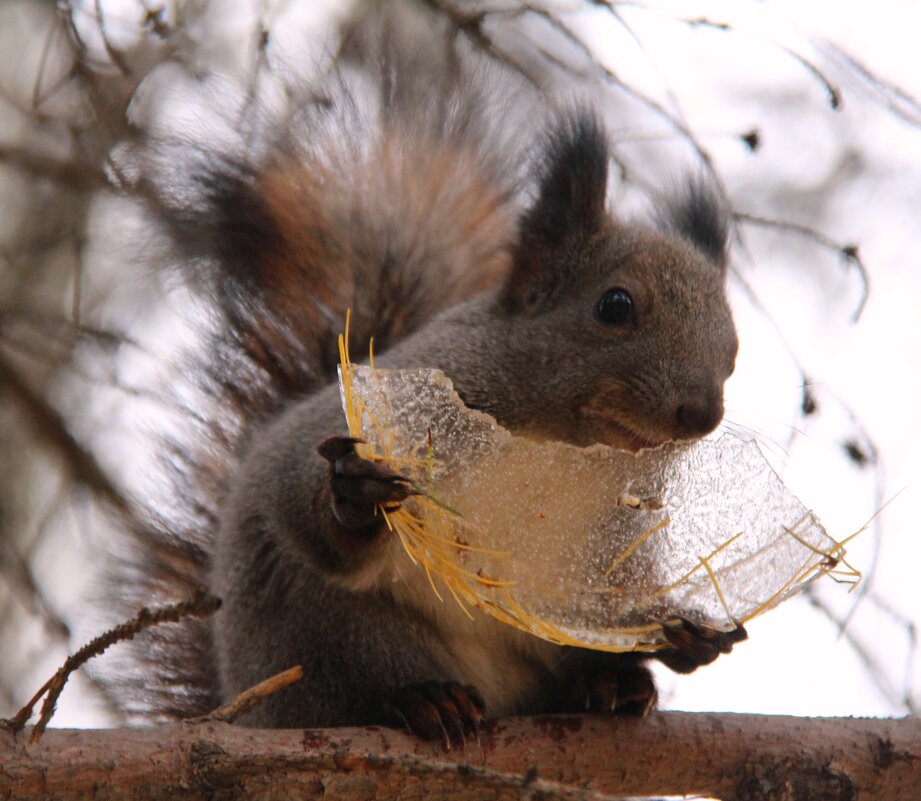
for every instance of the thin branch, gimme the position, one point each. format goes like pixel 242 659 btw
pixel 23 584
pixel 607 76
pixel 849 252
pixel 251 698
pixel 37 98
pixel 831 89
pixel 471 25
pixel 896 100
pixel 69 173
pixel 76 302
pixel 26 545
pixel 117 57
pixel 202 605
pixel 50 426
pixel 871 662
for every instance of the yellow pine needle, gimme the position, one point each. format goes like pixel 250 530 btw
pixel 876 514
pixel 631 548
pixel 716 586
pixel 428 575
pixel 796 578
pixel 724 546
pixel 835 554
pixel 807 572
pixel 362 411
pixel 419 543
pixel 454 544
pixel 687 576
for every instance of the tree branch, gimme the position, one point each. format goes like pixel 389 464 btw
pixel 750 757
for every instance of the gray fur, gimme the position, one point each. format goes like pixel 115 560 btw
pixel 299 589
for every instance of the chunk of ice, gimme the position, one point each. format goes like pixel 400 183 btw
pixel 584 546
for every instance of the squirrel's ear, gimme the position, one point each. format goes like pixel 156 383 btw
pixel 571 189
pixel 698 214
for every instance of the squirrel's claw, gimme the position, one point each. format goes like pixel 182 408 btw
pixel 360 485
pixel 333 448
pixel 624 689
pixel 695 645
pixel 434 710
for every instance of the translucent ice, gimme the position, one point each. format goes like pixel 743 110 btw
pixel 586 546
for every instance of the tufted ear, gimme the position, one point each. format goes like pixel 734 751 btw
pixel 571 189
pixel 698 214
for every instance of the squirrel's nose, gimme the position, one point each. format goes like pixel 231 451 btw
pixel 701 414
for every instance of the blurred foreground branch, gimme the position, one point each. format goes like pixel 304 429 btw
pixel 748 757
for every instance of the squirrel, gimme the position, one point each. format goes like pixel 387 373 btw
pixel 398 192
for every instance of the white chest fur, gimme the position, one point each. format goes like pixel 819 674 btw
pixel 506 665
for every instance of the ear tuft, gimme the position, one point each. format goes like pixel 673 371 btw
pixel 698 213
pixel 572 179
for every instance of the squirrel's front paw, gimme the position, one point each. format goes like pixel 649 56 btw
pixel 440 710
pixel 360 485
pixel 695 646
pixel 624 689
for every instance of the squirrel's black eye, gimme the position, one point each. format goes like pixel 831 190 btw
pixel 615 308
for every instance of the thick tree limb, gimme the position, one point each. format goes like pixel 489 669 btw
pixel 750 757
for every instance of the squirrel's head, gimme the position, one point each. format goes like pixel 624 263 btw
pixel 625 329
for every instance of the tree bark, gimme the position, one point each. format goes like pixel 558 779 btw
pixel 737 757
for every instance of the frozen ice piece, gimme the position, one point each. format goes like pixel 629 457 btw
pixel 583 546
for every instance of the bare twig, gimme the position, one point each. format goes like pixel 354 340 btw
pixel 201 605
pixel 849 252
pixel 23 583
pixel 609 77
pixel 893 97
pixel 249 699
pixel 832 90
pixel 117 57
pixel 51 427
pixel 471 26
pixel 69 173
pixel 37 97
pixel 871 661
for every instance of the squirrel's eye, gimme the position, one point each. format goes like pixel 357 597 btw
pixel 615 308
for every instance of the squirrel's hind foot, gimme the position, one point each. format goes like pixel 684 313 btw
pixel 435 710
pixel 623 689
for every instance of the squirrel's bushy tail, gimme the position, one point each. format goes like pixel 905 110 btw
pixel 391 192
